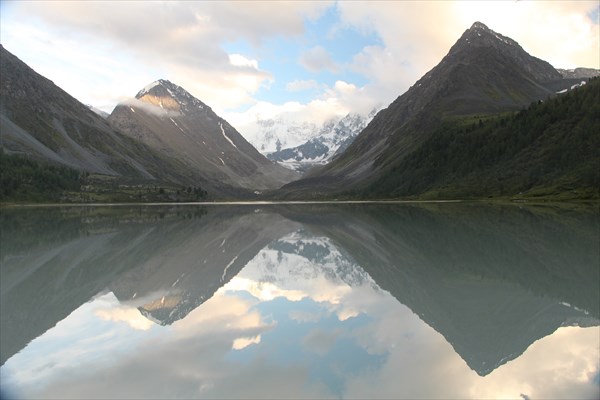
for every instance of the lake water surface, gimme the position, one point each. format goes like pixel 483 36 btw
pixel 300 301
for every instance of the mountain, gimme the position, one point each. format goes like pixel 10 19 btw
pixel 40 120
pixel 101 113
pixel 46 125
pixel 549 149
pixel 273 134
pixel 168 119
pixel 579 73
pixel 332 139
pixel 483 73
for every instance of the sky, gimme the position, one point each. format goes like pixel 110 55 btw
pixel 260 59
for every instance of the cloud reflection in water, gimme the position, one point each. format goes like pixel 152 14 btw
pixel 301 319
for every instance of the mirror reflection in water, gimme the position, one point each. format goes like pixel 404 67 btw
pixel 300 301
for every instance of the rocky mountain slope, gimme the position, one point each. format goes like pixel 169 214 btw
pixel 269 135
pixel 101 113
pixel 171 121
pixel 174 138
pixel 579 73
pixel 40 120
pixel 483 73
pixel 332 139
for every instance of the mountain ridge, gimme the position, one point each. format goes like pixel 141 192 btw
pixel 40 119
pixel 483 73
pixel 332 139
pixel 174 137
pixel 42 122
pixel 169 119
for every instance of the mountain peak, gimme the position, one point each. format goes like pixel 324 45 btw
pixel 479 42
pixel 170 96
pixel 479 35
pixel 484 72
pixel 147 89
pixel 207 148
pixel 479 25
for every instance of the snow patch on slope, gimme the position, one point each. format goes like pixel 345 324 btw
pixel 225 136
pixel 147 88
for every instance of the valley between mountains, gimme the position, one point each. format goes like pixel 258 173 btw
pixel 489 121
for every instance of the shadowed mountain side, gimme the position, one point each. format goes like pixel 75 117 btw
pixel 491 280
pixel 42 121
pixel 54 260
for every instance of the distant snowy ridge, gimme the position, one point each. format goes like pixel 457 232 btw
pixel 300 146
pixel 278 133
pixel 578 73
pixel 296 261
pixel 98 111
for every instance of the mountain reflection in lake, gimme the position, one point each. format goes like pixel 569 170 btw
pixel 300 301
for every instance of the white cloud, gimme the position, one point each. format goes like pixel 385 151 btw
pixel 239 60
pixel 416 35
pixel 101 52
pixel 301 85
pixel 260 111
pixel 264 291
pixel 336 101
pixel 317 59
pixel 243 342
pixel 148 107
pixel 131 316
pixel 560 32
pixel 179 41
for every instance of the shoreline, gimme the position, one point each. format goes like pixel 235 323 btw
pixel 306 202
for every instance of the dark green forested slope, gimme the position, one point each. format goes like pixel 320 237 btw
pixel 23 179
pixel 27 180
pixel 548 149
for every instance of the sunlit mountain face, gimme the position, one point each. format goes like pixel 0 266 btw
pixel 300 302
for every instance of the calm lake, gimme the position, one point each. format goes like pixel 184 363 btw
pixel 300 301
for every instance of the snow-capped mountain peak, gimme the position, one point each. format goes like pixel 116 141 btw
pixel 317 145
pixel 167 95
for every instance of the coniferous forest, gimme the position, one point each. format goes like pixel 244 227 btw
pixel 549 149
pixel 24 179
